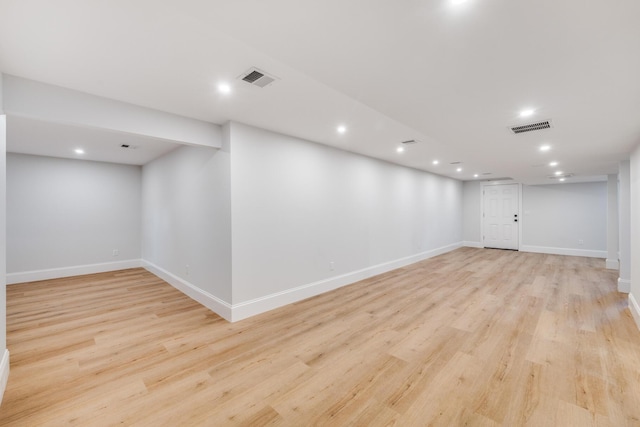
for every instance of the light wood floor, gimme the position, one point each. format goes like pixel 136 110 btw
pixel 473 337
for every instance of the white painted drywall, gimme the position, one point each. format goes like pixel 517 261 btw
pixel 558 216
pixel 298 206
pixel 634 295
pixel 471 211
pixel 4 352
pixel 624 210
pixel 186 217
pixel 1 94
pixel 613 246
pixel 35 100
pixel 65 213
pixel 3 234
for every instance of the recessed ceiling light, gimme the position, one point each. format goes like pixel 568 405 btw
pixel 435 162
pixel 562 179
pixel 400 149
pixel 79 151
pixel 224 88
pixel 552 164
pixel 527 113
pixel 341 129
pixel 545 148
pixel 475 175
pixel 559 172
pixel 459 170
pixel 457 2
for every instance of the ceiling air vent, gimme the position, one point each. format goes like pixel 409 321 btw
pixel 409 141
pixel 257 77
pixel 546 124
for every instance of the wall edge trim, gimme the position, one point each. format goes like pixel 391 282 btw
pixel 4 373
pixel 635 309
pixel 564 251
pixel 213 303
pixel 469 244
pixel 76 270
pixel 624 285
pixel 269 302
pixel 612 264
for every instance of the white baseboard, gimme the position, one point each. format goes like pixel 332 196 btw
pixel 4 373
pixel 76 270
pixel 635 309
pixel 564 251
pixel 213 303
pixel 468 244
pixel 612 264
pixel 624 285
pixel 256 306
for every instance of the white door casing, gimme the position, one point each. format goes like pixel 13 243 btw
pixel 501 216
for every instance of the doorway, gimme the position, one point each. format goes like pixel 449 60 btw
pixel 501 216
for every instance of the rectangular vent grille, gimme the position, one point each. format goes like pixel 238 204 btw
pixel 531 127
pixel 252 76
pixel 257 77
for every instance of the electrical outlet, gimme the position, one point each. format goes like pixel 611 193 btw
pixel 581 242
pixel 332 265
pixel 116 252
pixel 186 269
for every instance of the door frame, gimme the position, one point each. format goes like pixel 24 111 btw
pixel 486 184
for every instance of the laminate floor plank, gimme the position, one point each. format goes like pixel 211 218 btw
pixel 474 337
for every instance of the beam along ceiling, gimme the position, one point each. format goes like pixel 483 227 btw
pixel 453 75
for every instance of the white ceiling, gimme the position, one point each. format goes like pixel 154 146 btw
pixel 30 136
pixel 452 76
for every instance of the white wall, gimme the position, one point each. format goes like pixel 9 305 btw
pixel 1 93
pixel 471 211
pixel 556 217
pixel 613 246
pixel 298 206
pixel 186 221
pixel 634 295
pixel 624 211
pixel 64 214
pixel 35 100
pixel 4 358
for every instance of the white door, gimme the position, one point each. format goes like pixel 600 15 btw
pixel 501 216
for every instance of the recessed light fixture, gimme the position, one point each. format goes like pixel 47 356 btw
pixel 475 175
pixel 559 173
pixel 552 164
pixel 562 179
pixel 457 2
pixel 79 151
pixel 459 170
pixel 224 88
pixel 341 129
pixel 527 113
pixel 435 162
pixel 400 149
pixel 545 148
